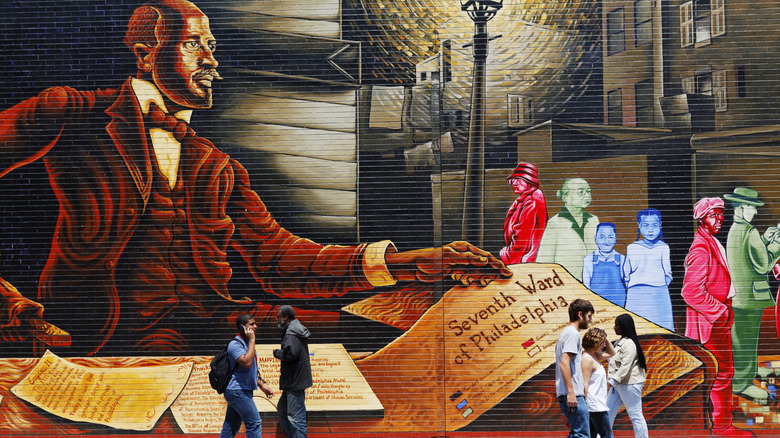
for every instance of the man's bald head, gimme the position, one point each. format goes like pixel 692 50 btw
pixel 150 22
pixel 174 48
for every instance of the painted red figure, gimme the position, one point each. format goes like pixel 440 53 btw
pixel 707 291
pixel 148 210
pixel 526 218
pixel 776 273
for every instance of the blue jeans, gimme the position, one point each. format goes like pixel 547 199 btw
pixel 599 425
pixel 241 407
pixel 292 413
pixel 631 397
pixel 578 418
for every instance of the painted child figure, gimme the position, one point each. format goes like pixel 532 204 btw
pixel 602 270
pixel 647 272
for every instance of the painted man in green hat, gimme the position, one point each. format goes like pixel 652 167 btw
pixel 750 257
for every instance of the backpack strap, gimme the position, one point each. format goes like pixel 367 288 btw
pixel 227 347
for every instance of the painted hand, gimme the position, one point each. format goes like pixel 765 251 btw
pixel 771 234
pixel 461 260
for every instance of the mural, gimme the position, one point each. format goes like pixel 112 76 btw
pixel 168 166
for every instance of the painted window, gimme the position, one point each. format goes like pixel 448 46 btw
pixel 688 85
pixel 741 82
pixel 616 33
pixel 703 82
pixel 520 109
pixel 686 24
pixel 718 17
pixel 643 22
pixel 615 107
pixel 702 20
pixel 643 96
pixel 719 90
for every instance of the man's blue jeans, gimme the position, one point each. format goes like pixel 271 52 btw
pixel 578 418
pixel 241 407
pixel 292 413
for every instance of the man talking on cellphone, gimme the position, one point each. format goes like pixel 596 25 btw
pixel 245 380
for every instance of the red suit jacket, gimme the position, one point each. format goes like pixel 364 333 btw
pixel 523 227
pixel 705 287
pixel 97 154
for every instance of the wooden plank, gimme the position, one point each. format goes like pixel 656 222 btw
pixel 343 223
pixel 310 9
pixel 292 112
pixel 295 54
pixel 315 173
pixel 315 94
pixel 318 28
pixel 304 142
pixel 318 201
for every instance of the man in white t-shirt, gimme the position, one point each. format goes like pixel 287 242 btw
pixel 569 384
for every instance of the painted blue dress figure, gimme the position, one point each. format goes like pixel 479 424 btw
pixel 648 272
pixel 602 270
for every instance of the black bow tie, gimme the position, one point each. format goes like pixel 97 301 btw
pixel 157 118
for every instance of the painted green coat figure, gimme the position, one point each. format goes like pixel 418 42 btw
pixel 750 257
pixel 571 234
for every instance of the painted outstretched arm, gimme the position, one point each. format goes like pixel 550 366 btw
pixel 21 320
pixel 29 129
pixel 461 260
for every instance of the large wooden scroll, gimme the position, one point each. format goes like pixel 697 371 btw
pixel 131 398
pixel 478 345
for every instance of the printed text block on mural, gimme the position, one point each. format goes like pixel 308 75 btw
pixel 339 389
pixel 131 398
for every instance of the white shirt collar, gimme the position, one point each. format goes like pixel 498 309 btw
pixel 610 256
pixel 146 93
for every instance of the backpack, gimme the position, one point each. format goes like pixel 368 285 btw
pixel 220 373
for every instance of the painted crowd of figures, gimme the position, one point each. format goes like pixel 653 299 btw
pixel 725 289
pixel 576 240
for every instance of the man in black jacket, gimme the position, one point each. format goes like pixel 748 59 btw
pixel 295 374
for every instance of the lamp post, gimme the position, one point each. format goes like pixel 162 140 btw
pixel 473 220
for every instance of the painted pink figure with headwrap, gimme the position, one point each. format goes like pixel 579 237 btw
pixel 526 218
pixel 708 290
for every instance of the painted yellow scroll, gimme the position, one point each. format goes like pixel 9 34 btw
pixel 131 398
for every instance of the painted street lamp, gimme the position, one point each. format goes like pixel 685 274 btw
pixel 473 222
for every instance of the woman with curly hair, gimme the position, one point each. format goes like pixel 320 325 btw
pixel 597 350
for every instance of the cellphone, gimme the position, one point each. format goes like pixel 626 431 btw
pixel 245 328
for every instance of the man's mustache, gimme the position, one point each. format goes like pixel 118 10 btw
pixel 210 72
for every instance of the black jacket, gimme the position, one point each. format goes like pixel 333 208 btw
pixel 294 354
